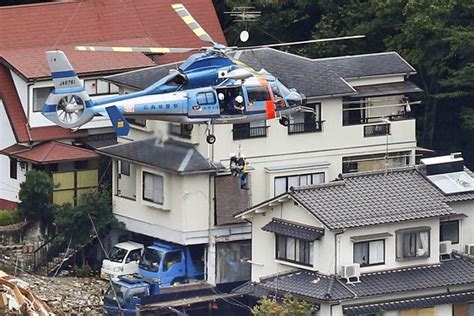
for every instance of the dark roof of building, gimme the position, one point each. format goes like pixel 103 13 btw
pixel 372 198
pixel 296 72
pixel 142 78
pixel 173 157
pixel 294 229
pixel 409 303
pixel 378 64
pixel 29 30
pixel 458 271
pixel 302 284
pixel 17 117
pixel 49 152
pixel 386 89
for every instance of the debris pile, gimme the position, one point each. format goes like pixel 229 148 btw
pixel 69 295
pixel 16 299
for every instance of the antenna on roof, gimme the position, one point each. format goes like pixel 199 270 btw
pixel 245 15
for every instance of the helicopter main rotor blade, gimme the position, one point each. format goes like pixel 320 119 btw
pixel 192 23
pixel 303 42
pixel 150 50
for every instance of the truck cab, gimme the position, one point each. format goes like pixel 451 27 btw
pixel 123 260
pixel 171 264
pixel 126 293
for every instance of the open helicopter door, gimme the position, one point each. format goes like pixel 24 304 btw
pixel 203 103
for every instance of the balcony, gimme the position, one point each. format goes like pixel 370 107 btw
pixel 377 130
pixel 244 131
pixel 305 127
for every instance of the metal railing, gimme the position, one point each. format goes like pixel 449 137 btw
pixel 249 132
pixel 305 127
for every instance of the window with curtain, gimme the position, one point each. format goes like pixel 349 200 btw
pixel 449 231
pixel 369 253
pixel 152 188
pixel 294 250
pixel 413 243
pixel 283 184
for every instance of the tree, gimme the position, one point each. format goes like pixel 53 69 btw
pixel 36 197
pixel 289 307
pixel 74 223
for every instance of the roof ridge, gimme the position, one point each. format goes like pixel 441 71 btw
pixel 380 172
pixel 396 270
pixel 355 56
pixel 318 186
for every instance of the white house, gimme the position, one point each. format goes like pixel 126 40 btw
pixel 370 243
pixel 170 184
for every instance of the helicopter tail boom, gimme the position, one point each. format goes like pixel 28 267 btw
pixel 68 105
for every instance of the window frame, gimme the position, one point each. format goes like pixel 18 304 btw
pixel 318 122
pixel 33 99
pixel 150 200
pixel 414 230
pixel 441 231
pixel 368 252
pixel 299 176
pixel 13 168
pixel 124 168
pixel 206 95
pixel 307 245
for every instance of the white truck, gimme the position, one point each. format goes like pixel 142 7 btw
pixel 123 260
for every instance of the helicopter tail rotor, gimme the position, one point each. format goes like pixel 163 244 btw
pixel 68 105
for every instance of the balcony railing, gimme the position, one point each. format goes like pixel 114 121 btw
pixel 249 132
pixel 377 130
pixel 305 127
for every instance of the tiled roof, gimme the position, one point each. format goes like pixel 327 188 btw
pixel 69 23
pixel 174 157
pixel 458 271
pixel 365 65
pixel 142 78
pixel 23 133
pixel 50 152
pixel 302 284
pixel 293 229
pixel 373 198
pixel 409 303
pixel 387 89
pixel 296 72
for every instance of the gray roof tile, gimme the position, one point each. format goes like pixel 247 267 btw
pixel 293 229
pixel 174 157
pixel 373 198
pixel 314 286
pixel 366 65
pixel 142 78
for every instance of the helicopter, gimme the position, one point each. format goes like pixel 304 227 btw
pixel 209 87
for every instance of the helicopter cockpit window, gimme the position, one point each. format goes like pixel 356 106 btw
pixel 258 93
pixel 204 98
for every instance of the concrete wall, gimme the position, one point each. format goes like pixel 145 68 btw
pixel 466 233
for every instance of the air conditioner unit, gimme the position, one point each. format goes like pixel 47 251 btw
pixel 469 249
pixel 445 250
pixel 351 273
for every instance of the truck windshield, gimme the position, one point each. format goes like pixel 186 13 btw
pixel 116 290
pixel 151 259
pixel 117 254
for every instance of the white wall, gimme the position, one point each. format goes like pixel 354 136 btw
pixel 466 233
pixel 8 187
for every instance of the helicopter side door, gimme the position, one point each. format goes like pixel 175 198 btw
pixel 260 100
pixel 202 103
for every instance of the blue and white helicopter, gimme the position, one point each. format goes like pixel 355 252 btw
pixel 210 87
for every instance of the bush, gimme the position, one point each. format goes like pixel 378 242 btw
pixel 8 217
pixel 36 197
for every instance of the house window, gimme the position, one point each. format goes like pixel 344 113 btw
pixel 413 243
pixel 249 130
pixel 449 231
pixel 13 168
pixel 181 130
pixel 294 250
pixel 39 97
pixel 375 162
pixel 369 253
pixel 152 188
pixel 98 87
pixel 283 184
pixel 306 122
pixel 124 168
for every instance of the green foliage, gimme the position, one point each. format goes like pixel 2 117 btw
pixel 75 221
pixel 82 272
pixel 8 217
pixel 36 197
pixel 289 307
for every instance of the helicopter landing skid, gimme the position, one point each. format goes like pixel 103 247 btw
pixel 210 139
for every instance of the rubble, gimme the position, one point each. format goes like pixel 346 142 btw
pixel 68 295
